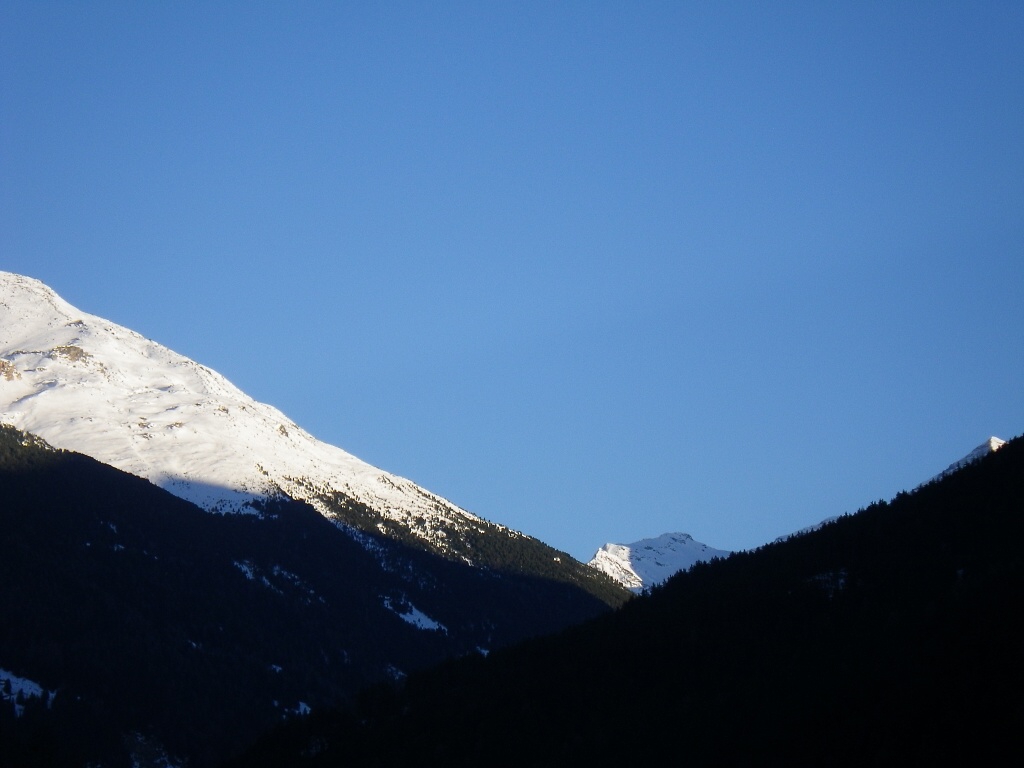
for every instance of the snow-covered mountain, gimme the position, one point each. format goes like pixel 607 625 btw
pixel 86 384
pixel 648 562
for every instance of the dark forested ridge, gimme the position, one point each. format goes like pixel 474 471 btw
pixel 166 629
pixel 889 637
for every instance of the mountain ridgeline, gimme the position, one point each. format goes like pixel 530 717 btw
pixel 887 637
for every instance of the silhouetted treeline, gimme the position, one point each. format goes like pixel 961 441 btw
pixel 888 637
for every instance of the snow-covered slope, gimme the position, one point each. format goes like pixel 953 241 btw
pixel 651 561
pixel 86 384
pixel 16 690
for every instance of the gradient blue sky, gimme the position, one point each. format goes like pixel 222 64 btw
pixel 593 270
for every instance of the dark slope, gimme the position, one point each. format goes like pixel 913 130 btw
pixel 887 637
pixel 199 631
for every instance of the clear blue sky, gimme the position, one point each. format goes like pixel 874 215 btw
pixel 594 270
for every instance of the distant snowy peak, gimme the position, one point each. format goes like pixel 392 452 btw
pixel 989 446
pixel 648 562
pixel 86 384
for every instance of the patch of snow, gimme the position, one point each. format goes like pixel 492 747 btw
pixel 395 673
pixel 413 615
pixel 253 573
pixel 309 594
pixel 146 752
pixel 12 687
pixel 831 582
pixel 247 568
pixel 300 709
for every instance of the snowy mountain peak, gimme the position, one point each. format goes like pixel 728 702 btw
pixel 86 384
pixel 651 561
pixel 989 446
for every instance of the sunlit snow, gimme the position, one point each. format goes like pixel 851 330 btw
pixel 648 562
pixel 413 615
pixel 86 384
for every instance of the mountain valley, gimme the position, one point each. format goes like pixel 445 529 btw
pixel 190 578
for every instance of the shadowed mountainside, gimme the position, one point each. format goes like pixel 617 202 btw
pixel 150 616
pixel 886 637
